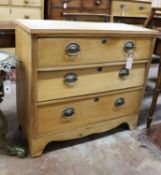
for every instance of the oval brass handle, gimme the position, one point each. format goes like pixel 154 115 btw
pixel 129 46
pixel 26 16
pixel 97 2
pixel 124 73
pixel 70 79
pixel 141 8
pixel 119 102
pixel 72 49
pixel 69 113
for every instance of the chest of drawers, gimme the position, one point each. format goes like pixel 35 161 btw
pixel 21 9
pixel 131 8
pixel 80 10
pixel 73 82
pixel 130 11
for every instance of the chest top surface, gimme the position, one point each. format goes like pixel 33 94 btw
pixel 54 27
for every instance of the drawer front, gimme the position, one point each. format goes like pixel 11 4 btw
pixel 26 13
pixel 134 21
pixel 58 13
pixel 32 3
pixel 7 39
pixel 86 17
pixel 70 83
pixel 97 4
pixel 78 113
pixel 124 8
pixel 66 3
pixel 5 13
pixel 57 51
pixel 4 2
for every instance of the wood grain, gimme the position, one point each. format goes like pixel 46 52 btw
pixel 51 84
pixel 29 3
pixel 51 51
pixel 88 111
pixel 42 95
pixel 38 144
pixel 86 28
pixel 130 8
pixel 23 81
pixel 4 2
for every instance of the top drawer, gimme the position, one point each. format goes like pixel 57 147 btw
pixel 4 2
pixel 66 3
pixel 125 8
pixel 34 3
pixel 75 51
pixel 96 4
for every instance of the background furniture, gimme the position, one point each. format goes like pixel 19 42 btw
pixel 7 61
pixel 156 6
pixel 21 9
pixel 89 10
pixel 7 36
pixel 74 83
pixel 11 10
pixel 124 11
pixel 130 11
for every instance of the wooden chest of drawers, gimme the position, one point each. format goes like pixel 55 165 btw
pixel 130 11
pixel 89 10
pixel 73 82
pixel 130 8
pixel 21 9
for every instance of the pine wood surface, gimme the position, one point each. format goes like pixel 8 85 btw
pixel 42 120
pixel 92 50
pixel 86 28
pixel 51 85
pixel 130 8
pixel 88 111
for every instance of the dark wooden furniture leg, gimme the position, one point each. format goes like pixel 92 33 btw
pixel 155 97
pixel 149 19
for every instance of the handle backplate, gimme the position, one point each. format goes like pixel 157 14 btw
pixel 70 79
pixel 69 113
pixel 124 73
pixel 72 49
pixel 129 46
pixel 119 102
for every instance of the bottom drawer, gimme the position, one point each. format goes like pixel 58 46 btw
pixel 72 114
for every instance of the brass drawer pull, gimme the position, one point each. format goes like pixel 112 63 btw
pixel 72 49
pixel 26 16
pixel 98 2
pixel 141 8
pixel 70 79
pixel 119 102
pixel 124 73
pixel 129 46
pixel 69 113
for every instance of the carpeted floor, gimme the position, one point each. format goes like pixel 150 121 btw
pixel 112 153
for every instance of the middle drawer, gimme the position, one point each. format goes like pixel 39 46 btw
pixel 70 83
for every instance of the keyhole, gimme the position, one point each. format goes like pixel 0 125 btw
pixel 96 99
pixel 99 69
